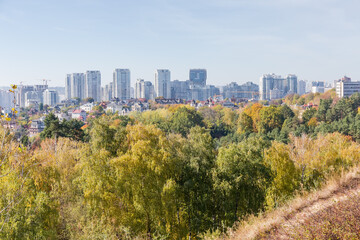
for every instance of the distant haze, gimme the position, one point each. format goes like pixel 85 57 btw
pixel 235 40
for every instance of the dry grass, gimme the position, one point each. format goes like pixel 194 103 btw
pixel 296 219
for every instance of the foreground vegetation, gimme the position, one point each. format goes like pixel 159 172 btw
pixel 170 173
pixel 329 213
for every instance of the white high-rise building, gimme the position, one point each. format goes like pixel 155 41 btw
pixel 121 84
pixel 93 85
pixel 139 88
pixel 108 92
pixel 274 86
pixel 68 86
pixel 50 97
pixel 162 83
pixel 75 83
pixel 144 89
pixel 6 99
pixel 301 87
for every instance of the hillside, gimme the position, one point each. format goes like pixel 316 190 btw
pixel 330 213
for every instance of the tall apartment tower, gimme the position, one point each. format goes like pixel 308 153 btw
pixel 198 77
pixel 75 85
pixel 139 88
pixel 50 97
pixel 93 85
pixel 274 86
pixel 301 87
pixel 144 89
pixel 162 83
pixel 68 86
pixel 108 92
pixel 292 83
pixel 121 84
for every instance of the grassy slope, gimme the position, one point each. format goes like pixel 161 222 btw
pixel 330 213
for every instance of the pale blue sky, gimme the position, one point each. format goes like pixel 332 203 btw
pixel 235 40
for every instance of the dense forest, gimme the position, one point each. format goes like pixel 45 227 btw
pixel 170 173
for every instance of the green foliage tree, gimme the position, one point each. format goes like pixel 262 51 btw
pixel 245 123
pixel 241 179
pixel 284 174
pixel 308 114
pixel 195 182
pixel 323 108
pixel 286 111
pixel 54 128
pixel 184 119
pixel 270 118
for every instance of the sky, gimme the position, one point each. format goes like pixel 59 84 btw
pixel 235 40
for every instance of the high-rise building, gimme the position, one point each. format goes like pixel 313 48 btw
pixel 50 97
pixel 144 89
pixel 75 83
pixel 68 86
pixel 108 92
pixel 93 85
pixel 292 84
pixel 180 89
pixel 36 95
pixel 280 86
pixel 162 83
pixel 121 84
pixel 138 88
pixel 301 87
pixel 6 99
pixel 132 92
pixel 198 77
pixel 33 98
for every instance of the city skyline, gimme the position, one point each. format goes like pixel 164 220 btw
pixel 234 40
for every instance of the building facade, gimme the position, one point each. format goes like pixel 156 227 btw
pixel 68 86
pixel 93 85
pixel 247 90
pixel 345 87
pixel 107 94
pixel 121 84
pixel 6 99
pixel 318 87
pixel 76 89
pixel 301 87
pixel 50 97
pixel 144 89
pixel 198 77
pixel 279 86
pixel 162 83
pixel 180 89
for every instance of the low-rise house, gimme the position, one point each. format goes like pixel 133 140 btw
pixel 169 101
pixel 228 104
pixel 124 111
pixel 87 107
pixel 62 116
pixel 68 103
pixel 113 107
pixel 36 126
pixel 79 114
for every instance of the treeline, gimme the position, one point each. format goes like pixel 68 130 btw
pixel 171 173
